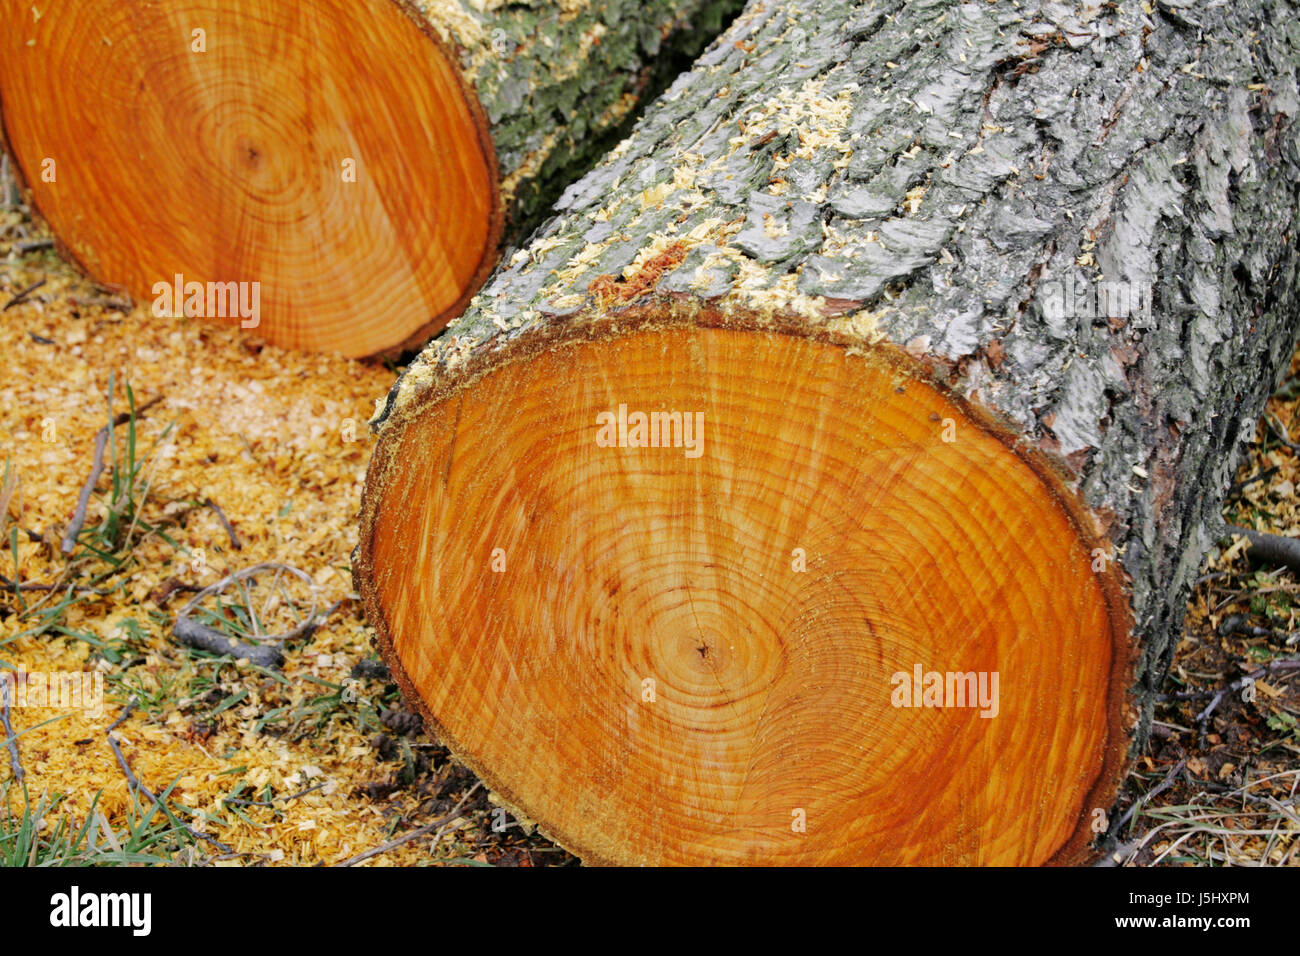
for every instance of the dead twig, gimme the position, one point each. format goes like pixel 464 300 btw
pixel 1270 548
pixel 15 764
pixel 457 812
pixel 1240 624
pixel 96 469
pixel 102 302
pixel 1240 486
pixel 10 585
pixel 1212 576
pixel 1222 790
pixel 24 246
pixel 23 295
pixel 1117 854
pixel 225 523
pixel 303 793
pixel 1282 434
pixel 270 803
pixel 1203 718
pixel 268 654
pixel 133 782
pixel 1154 792
pixel 201 637
pixel 162 594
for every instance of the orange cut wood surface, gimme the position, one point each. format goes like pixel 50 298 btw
pixel 328 152
pixel 666 657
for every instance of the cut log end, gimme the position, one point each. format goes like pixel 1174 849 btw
pixel 332 156
pixel 720 592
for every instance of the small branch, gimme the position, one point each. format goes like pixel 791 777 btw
pixel 12 740
pixel 306 626
pixel 10 585
pixel 1283 435
pixel 1245 482
pixel 225 523
pixel 134 783
pixel 1212 576
pixel 457 812
pixel 316 620
pixel 103 302
pixel 69 543
pixel 23 295
pixel 1240 624
pixel 193 634
pixel 1154 792
pixel 1185 695
pixel 1119 853
pixel 1226 791
pixel 121 718
pixel 97 467
pixel 162 594
pixel 1270 548
pixel 303 793
pixel 271 802
pixel 25 246
pixel 1203 718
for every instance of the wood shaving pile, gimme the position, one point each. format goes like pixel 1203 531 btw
pixel 278 441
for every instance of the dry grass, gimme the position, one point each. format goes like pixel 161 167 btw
pixel 1232 779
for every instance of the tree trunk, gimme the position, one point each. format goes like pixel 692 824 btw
pixel 359 161
pixel 961 309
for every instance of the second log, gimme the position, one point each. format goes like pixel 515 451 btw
pixel 334 176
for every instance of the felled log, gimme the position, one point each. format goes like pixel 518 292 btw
pixel 336 176
pixel 824 484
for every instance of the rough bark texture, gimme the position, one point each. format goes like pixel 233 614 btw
pixel 919 173
pixel 557 81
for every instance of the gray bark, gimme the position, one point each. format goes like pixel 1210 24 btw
pixel 936 174
pixel 558 82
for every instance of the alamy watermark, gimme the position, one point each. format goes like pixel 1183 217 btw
pixel 1079 298
pixel 624 429
pixel 61 690
pixel 209 300
pixel 923 688
pixel 74 909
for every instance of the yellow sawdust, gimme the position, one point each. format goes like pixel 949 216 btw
pixel 278 440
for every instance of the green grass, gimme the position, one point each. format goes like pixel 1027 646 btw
pixel 131 478
pixel 314 715
pixel 105 549
pixel 147 837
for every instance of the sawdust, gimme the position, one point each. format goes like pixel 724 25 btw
pixel 278 441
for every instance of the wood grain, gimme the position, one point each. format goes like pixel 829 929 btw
pixel 227 165
pixel 772 685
